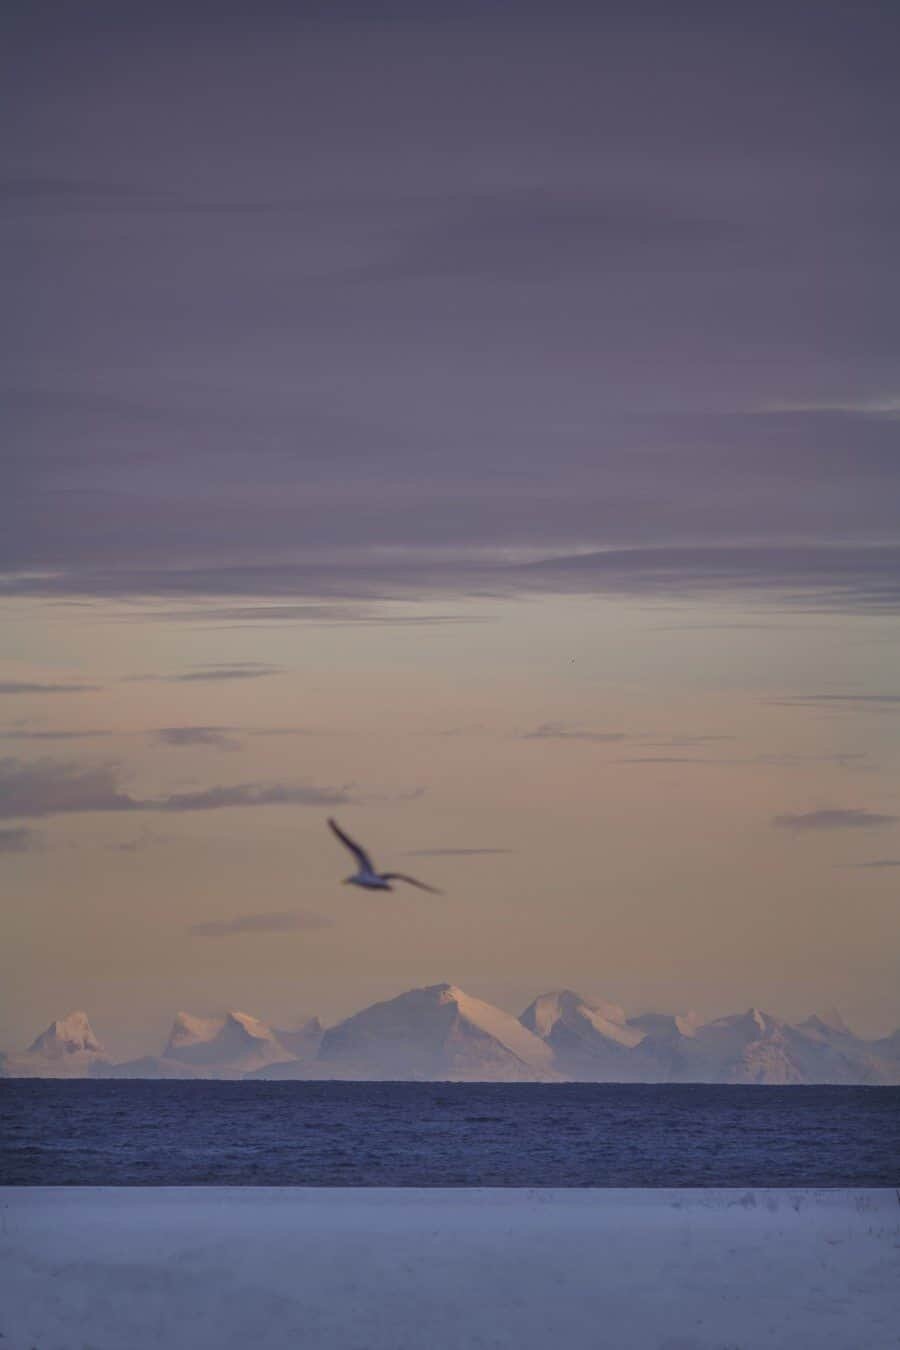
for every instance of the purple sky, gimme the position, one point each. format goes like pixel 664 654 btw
pixel 455 277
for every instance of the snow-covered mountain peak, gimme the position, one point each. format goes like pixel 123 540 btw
pixel 688 1023
pixel 828 1020
pixel 667 1026
pixel 226 1045
pixel 753 1022
pixel 542 1015
pixel 303 1041
pixel 444 993
pixel 190 1030
pixel 439 1032
pixel 564 1011
pixel 250 1026
pixel 67 1036
pixel 67 1048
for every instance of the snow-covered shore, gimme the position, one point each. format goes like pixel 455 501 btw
pixel 215 1268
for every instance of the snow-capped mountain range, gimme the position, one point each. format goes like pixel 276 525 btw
pixel 441 1033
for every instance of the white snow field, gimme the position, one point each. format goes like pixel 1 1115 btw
pixel 230 1268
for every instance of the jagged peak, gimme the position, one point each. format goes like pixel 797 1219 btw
pixel 754 1022
pixel 74 1021
pixel 252 1026
pixel 754 1017
pixel 67 1035
pixel 828 1019
pixel 563 1001
pixel 445 993
pixel 667 1024
pixel 558 998
pixel 567 1011
pixel 187 1028
pixel 688 1023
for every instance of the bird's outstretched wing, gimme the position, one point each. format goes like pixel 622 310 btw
pixel 359 854
pixel 401 876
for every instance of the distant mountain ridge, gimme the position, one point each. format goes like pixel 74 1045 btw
pixel 440 1033
pixel 232 1046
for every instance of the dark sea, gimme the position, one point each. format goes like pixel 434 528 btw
pixel 135 1133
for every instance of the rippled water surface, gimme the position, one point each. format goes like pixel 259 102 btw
pixel 445 1134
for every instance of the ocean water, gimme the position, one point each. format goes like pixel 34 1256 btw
pixel 121 1133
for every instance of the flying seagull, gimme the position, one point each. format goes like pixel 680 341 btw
pixel 367 876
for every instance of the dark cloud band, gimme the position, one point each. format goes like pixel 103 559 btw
pixel 47 788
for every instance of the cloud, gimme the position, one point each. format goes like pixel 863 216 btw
pixel 336 615
pixel 248 794
pixel 219 738
pixel 834 819
pixel 262 613
pixel 691 740
pixel 472 729
pixel 885 701
pixel 287 921
pixel 519 300
pixel 453 852
pixel 821 576
pixel 49 787
pixel 846 760
pixel 31 687
pixel 282 731
pixel 19 734
pixel 18 840
pixel 559 731
pixel 669 759
pixel 46 788
pixel 873 863
pixel 235 672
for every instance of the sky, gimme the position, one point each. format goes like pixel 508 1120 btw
pixel 478 422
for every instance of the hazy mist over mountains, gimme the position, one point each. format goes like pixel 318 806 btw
pixel 442 1033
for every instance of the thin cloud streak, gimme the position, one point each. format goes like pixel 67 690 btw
pixel 887 701
pixel 286 921
pixel 859 578
pixel 559 731
pixel 836 818
pixel 221 673
pixel 668 759
pixel 238 670
pixel 218 738
pixel 691 740
pixel 32 687
pixel 874 863
pixel 19 734
pixel 848 760
pixel 248 794
pixel 454 852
